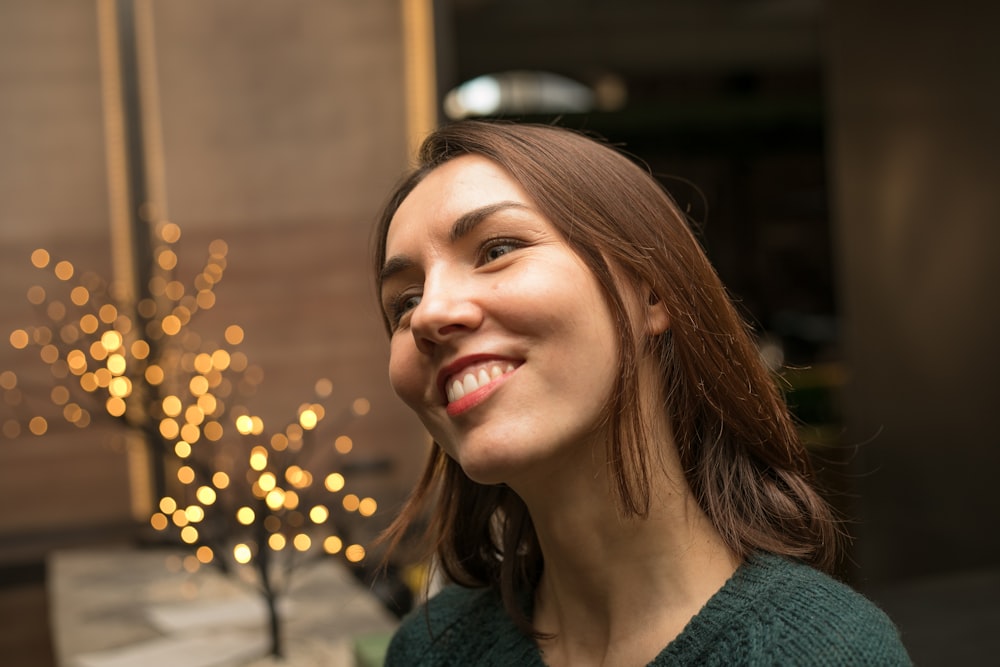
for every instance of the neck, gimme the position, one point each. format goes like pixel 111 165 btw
pixel 616 590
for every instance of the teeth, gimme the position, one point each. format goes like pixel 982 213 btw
pixel 473 381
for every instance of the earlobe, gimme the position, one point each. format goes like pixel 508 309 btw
pixel 657 317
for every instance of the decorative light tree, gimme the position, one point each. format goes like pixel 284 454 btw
pixel 239 494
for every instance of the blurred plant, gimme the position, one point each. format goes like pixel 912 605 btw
pixel 239 495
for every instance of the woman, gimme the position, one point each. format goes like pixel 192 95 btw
pixel 615 478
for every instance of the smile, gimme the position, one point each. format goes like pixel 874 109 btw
pixel 473 379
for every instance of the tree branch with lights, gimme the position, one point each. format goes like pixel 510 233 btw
pixel 237 493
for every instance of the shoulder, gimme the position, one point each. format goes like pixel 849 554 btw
pixel 774 611
pixel 803 613
pixel 458 626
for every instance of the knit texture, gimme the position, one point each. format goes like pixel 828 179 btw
pixel 771 612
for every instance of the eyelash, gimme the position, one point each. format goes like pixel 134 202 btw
pixel 397 305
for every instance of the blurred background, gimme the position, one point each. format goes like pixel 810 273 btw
pixel 839 160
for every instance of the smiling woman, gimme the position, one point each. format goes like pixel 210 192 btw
pixel 615 477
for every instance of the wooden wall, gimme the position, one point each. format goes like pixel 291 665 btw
pixel 283 126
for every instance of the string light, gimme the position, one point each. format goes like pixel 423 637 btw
pixel 231 485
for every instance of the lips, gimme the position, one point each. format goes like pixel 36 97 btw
pixel 469 381
pixel 473 378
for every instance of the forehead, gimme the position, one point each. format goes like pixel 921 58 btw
pixel 450 190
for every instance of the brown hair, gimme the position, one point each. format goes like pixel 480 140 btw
pixel 738 445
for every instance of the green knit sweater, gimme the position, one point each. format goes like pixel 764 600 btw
pixel 771 612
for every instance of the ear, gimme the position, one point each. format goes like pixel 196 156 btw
pixel 657 317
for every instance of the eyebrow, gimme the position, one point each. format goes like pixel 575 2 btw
pixel 464 224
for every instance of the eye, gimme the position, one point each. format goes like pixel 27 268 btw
pixel 497 248
pixel 400 306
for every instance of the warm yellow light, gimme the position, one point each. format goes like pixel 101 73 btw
pixel 191 433
pixel 258 458
pixel 38 425
pixel 116 364
pixel 49 353
pixel 140 349
pixel 120 387
pixel 170 232
pixel 367 507
pixel 220 480
pixel 154 375
pixel 206 495
pixel 158 521
pixel 167 259
pixel 343 444
pixel 212 431
pixel 208 403
pixel 218 248
pixel 182 449
pixel 175 292
pixel 267 481
pixel 291 500
pixel 245 515
pixel 333 544
pixel 108 313
pixel 97 351
pixel 351 502
pixel 185 474
pixel 355 553
pixel 221 359
pixel 279 442
pixel 204 554
pixel 88 381
pixel 189 534
pixel 171 325
pixel 72 412
pixel 79 295
pixel 63 270
pixel 275 499
pixel 242 554
pixel 194 513
pixel 319 514
pixel 179 517
pixel 234 334
pixel 171 405
pixel 198 385
pixel 40 258
pixel 203 363
pixel 111 340
pixel 168 505
pixel 361 406
pixel 115 406
pixel 308 419
pixel 19 339
pixel 302 542
pixel 169 428
pixel 257 425
pixel 103 377
pixel 244 424
pixel 205 299
pixel 194 415
pixel 276 541
pixel 334 482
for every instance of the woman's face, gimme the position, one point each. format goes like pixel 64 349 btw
pixel 502 342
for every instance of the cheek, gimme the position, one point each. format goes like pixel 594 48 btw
pixel 404 373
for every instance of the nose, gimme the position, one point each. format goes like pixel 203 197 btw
pixel 447 309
